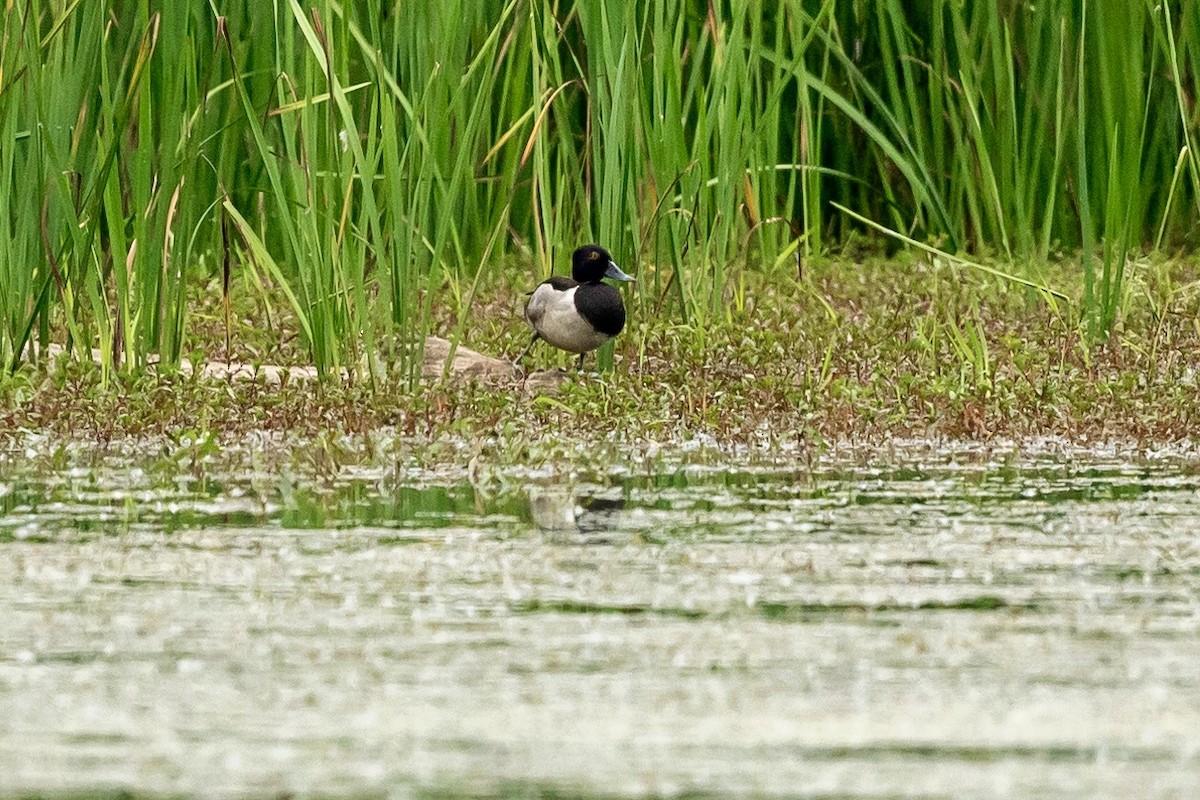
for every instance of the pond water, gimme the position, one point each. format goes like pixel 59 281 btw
pixel 931 625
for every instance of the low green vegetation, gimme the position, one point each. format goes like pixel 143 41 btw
pixel 858 350
pixel 327 183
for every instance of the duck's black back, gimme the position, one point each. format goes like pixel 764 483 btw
pixel 560 283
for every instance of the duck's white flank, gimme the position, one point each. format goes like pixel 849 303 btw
pixel 552 314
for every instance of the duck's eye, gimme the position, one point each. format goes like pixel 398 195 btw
pixel 592 255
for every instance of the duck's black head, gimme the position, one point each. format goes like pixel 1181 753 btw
pixel 592 262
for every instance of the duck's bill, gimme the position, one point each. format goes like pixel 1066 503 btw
pixel 615 273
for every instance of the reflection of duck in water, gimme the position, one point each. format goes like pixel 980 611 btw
pixel 558 509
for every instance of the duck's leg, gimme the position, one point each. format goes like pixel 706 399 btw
pixel 533 340
pixel 581 355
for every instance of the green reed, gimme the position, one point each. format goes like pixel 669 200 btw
pixel 365 160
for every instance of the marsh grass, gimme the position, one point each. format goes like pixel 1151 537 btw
pixel 328 152
pixel 852 355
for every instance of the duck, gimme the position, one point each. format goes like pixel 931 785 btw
pixel 579 313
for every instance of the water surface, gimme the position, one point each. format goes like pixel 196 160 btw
pixel 938 626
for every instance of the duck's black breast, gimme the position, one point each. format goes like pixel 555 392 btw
pixel 600 304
